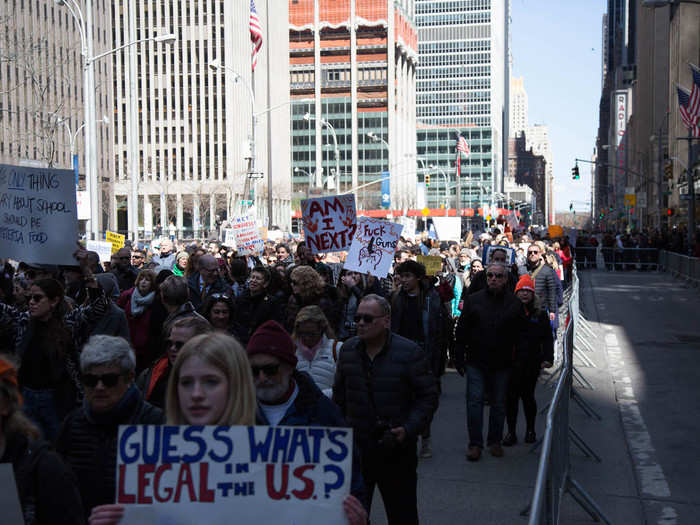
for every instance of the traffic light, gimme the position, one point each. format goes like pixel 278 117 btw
pixel 427 181
pixel 574 173
pixel 669 211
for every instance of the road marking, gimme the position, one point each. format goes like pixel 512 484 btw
pixel 649 472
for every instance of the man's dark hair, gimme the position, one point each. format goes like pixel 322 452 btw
pixel 264 271
pixel 282 245
pixel 413 267
pixel 398 254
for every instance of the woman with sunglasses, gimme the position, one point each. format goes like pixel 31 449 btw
pixel 47 339
pixel 211 384
pixel 47 490
pixel 316 349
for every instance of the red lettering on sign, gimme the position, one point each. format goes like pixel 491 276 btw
pixel 143 482
pixel 270 477
pixel 308 489
pixel 185 479
pixel 168 491
pixel 122 496
pixel 206 495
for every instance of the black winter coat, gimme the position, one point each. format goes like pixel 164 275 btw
pixel 535 343
pixel 487 330
pixel 254 310
pixel 47 489
pixel 399 380
pixel 90 448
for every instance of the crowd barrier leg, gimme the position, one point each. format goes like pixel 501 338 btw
pixel 584 343
pixel 587 502
pixel 584 358
pixel 582 445
pixel 579 377
pixel 588 409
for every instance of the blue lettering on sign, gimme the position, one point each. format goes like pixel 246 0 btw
pixel 259 450
pixel 134 452
pixel 334 437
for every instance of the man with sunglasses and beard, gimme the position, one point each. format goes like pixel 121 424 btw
pixel 287 396
pixel 487 333
pixel 388 394
pixel 87 440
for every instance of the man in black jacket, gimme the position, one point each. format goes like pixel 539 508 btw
pixel 486 332
pixel 87 439
pixel 206 281
pixel 385 389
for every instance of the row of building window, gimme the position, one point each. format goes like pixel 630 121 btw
pixel 431 6
pixel 449 59
pixel 454 19
pixel 457 121
pixel 454 97
pixel 429 85
pixel 454 72
pixel 453 46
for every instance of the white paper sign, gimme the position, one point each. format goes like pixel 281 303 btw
pixel 230 238
pixel 9 501
pixel 373 246
pixel 83 204
pixel 448 228
pixel 329 222
pixel 219 475
pixel 247 236
pixel 102 248
pixel 38 221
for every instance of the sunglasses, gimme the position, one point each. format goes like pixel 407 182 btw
pixel 367 318
pixel 269 370
pixel 220 296
pixel 137 256
pixel 108 380
pixel 532 252
pixel 490 275
pixel 36 297
pixel 177 344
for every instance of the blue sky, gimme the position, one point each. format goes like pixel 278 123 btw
pixel 556 47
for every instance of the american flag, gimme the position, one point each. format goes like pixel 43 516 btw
pixel 691 120
pixel 462 147
pixel 256 35
pixel 694 103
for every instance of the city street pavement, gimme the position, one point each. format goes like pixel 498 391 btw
pixel 645 391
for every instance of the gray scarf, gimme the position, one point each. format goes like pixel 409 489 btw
pixel 139 303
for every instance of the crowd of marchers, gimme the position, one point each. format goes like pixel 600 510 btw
pixel 196 334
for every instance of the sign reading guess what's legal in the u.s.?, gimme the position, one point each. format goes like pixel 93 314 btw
pixel 329 222
pixel 233 474
pixel 38 218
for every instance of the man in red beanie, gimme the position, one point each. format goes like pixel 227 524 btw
pixel 289 397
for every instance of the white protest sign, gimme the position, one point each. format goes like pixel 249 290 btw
pixel 216 474
pixel 329 222
pixel 230 238
pixel 247 236
pixel 83 204
pixel 9 500
pixel 373 246
pixel 102 248
pixel 448 228
pixel 38 221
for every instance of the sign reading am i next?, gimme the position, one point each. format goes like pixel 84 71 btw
pixel 38 219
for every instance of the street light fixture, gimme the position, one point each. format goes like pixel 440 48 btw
pixel 328 125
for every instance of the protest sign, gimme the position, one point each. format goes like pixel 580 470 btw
pixel 117 240
pixel 263 475
pixel 38 218
pixel 491 249
pixel 329 222
pixel 448 228
pixel 247 236
pixel 102 248
pixel 83 203
pixel 373 246
pixel 432 263
pixel 229 238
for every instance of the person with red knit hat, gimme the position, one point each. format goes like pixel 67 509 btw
pixel 533 352
pixel 289 397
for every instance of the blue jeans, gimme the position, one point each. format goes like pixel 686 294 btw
pixel 40 407
pixel 495 382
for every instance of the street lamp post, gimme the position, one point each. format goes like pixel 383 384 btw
pixel 73 136
pixel 376 138
pixel 329 126
pixel 84 22
pixel 445 179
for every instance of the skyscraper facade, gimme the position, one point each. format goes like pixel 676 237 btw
pixel 197 154
pixel 518 106
pixel 537 139
pixel 462 89
pixel 42 90
pixel 352 68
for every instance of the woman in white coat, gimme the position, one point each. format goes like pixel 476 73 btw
pixel 316 348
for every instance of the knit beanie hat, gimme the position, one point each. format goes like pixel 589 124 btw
pixel 525 283
pixel 271 339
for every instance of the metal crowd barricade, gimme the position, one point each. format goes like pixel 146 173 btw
pixel 620 259
pixel 554 472
pixel 680 265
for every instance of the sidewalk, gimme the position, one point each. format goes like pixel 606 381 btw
pixel 454 491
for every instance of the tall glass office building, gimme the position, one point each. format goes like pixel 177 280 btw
pixel 462 89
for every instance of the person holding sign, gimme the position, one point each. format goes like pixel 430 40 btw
pixel 47 490
pixel 210 384
pixel 48 339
